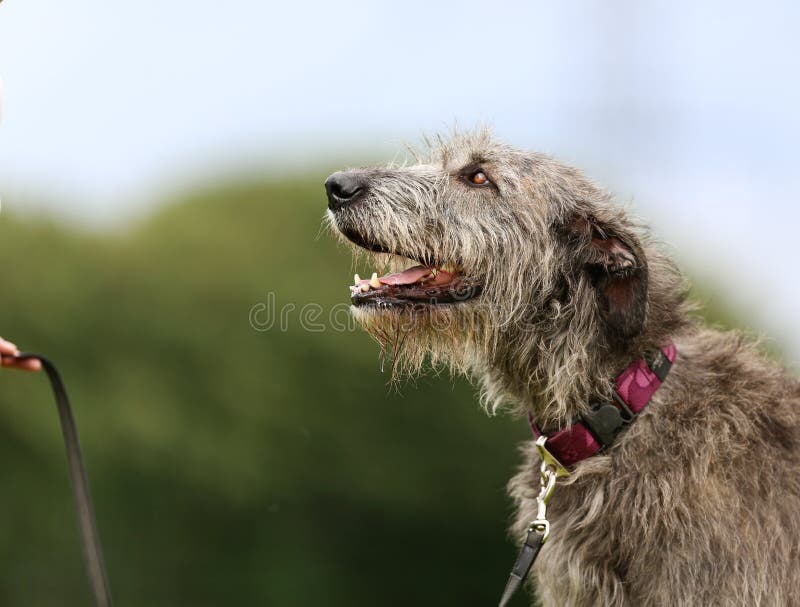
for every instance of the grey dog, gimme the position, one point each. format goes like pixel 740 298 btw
pixel 518 271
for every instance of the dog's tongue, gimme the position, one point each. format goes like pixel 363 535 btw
pixel 406 277
pixel 411 276
pixel 414 275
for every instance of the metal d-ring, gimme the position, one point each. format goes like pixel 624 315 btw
pixel 548 458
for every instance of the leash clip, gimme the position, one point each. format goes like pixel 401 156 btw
pixel 540 524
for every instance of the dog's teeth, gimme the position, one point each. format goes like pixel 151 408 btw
pixel 354 289
pixel 356 279
pixel 374 282
pixel 364 288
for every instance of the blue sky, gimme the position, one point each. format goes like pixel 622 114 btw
pixel 687 111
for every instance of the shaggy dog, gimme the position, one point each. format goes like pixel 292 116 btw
pixel 516 270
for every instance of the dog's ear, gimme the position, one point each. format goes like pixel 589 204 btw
pixel 614 262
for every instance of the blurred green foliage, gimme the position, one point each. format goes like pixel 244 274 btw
pixel 232 466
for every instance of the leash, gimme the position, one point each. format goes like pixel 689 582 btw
pixel 539 528
pixel 90 538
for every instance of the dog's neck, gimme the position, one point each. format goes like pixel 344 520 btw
pixel 597 429
pixel 558 387
pixel 556 370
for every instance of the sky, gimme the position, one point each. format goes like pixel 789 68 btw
pixel 687 112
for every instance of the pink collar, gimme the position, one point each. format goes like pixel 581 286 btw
pixel 596 430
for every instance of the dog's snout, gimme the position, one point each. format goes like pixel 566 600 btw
pixel 344 188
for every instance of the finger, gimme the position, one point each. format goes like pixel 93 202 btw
pixel 29 364
pixel 6 347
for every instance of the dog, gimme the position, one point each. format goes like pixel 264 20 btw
pixel 519 272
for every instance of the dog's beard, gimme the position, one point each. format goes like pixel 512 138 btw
pixel 413 340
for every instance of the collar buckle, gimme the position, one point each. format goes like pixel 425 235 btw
pixel 606 419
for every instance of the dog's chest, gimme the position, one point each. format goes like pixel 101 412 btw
pixel 583 560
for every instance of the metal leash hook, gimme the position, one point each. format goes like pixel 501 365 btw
pixel 539 528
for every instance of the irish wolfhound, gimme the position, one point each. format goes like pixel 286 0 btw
pixel 518 271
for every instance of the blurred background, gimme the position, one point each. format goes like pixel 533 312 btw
pixel 161 171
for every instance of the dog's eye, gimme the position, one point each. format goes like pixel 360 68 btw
pixel 479 178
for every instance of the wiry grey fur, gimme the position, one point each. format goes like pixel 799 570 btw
pixel 698 502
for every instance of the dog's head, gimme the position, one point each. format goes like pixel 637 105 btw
pixel 495 261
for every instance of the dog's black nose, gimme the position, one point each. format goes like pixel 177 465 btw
pixel 344 187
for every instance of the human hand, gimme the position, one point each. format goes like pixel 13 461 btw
pixel 9 351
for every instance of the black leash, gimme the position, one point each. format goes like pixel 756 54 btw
pixel 525 560
pixel 90 538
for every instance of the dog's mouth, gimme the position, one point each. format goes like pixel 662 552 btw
pixel 418 285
